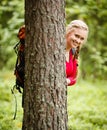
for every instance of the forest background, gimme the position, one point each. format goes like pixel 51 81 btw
pixel 93 64
pixel 93 55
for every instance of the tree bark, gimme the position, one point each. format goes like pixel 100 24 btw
pixel 45 92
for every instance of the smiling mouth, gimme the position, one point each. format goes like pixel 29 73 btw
pixel 74 44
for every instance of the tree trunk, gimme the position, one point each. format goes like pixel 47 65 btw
pixel 45 92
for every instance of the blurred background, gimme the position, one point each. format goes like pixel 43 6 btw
pixel 93 54
pixel 11 18
pixel 90 91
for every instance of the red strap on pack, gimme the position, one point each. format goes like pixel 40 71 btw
pixel 21 33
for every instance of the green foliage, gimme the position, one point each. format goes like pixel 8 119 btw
pixel 11 17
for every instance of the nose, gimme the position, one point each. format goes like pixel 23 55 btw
pixel 79 41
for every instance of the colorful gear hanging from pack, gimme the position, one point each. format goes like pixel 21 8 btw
pixel 20 62
pixel 20 65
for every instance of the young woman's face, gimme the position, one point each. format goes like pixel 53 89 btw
pixel 76 38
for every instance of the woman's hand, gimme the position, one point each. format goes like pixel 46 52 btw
pixel 68 81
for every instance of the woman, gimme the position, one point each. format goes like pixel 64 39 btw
pixel 76 35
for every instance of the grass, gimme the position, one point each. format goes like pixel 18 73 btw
pixel 7 103
pixel 87 105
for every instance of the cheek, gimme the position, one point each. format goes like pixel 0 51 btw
pixel 70 39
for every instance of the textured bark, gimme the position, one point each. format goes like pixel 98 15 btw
pixel 45 92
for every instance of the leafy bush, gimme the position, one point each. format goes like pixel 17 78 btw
pixel 12 17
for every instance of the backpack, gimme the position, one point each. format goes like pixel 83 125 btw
pixel 20 61
pixel 20 65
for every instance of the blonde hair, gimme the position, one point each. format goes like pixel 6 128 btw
pixel 77 24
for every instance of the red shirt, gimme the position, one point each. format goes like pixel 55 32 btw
pixel 71 69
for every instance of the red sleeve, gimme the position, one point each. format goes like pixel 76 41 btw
pixel 72 81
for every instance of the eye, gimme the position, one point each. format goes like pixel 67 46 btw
pixel 82 38
pixel 77 36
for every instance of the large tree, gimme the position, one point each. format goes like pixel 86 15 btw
pixel 45 92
